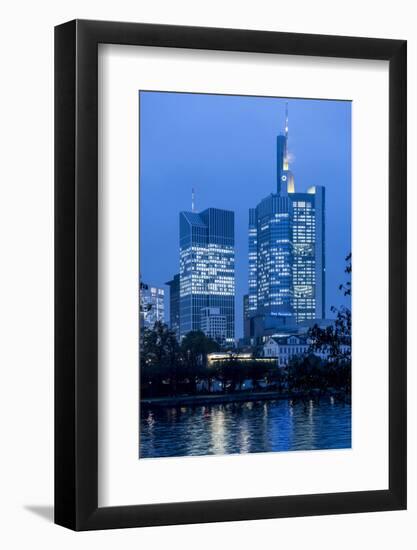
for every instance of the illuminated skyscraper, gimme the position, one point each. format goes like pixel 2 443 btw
pixel 174 304
pixel 246 318
pixel 308 259
pixel 286 251
pixel 274 249
pixel 207 268
pixel 213 324
pixel 151 305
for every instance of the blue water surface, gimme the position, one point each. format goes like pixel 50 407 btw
pixel 246 427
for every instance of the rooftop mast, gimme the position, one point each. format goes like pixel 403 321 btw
pixel 286 120
pixel 286 162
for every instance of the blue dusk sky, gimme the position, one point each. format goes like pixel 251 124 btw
pixel 225 148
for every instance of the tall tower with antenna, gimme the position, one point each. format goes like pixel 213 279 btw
pixel 285 178
pixel 286 283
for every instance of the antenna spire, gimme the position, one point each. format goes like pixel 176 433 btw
pixel 192 200
pixel 286 120
pixel 286 156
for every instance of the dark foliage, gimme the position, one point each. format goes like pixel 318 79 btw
pixel 169 368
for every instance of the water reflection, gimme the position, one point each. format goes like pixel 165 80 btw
pixel 249 427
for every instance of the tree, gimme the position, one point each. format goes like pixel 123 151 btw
pixel 160 358
pixel 194 347
pixel 197 344
pixel 257 371
pixel 347 286
pixel 335 340
pixel 275 376
pixel 232 372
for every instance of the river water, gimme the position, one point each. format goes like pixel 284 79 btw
pixel 248 427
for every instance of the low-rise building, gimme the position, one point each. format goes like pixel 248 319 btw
pixel 220 357
pixel 283 349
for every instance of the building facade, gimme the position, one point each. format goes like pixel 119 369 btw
pixel 174 304
pixel 246 319
pixel 207 268
pixel 151 305
pixel 213 324
pixel 285 348
pixel 240 358
pixel 286 251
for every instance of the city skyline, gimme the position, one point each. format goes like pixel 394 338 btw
pixel 278 161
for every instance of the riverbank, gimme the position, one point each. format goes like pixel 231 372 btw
pixel 215 399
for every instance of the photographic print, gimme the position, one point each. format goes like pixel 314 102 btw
pixel 244 293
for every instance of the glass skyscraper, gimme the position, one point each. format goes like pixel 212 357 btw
pixel 286 251
pixel 174 304
pixel 151 305
pixel 207 268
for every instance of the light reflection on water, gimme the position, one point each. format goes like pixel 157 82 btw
pixel 249 427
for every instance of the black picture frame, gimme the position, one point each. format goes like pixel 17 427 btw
pixel 76 272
